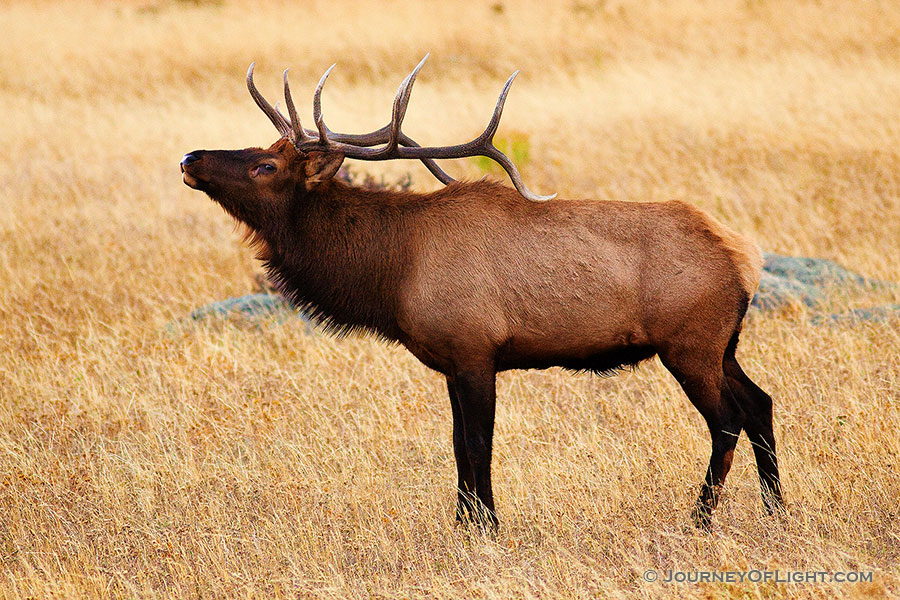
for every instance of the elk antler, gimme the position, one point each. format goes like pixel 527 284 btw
pixel 396 143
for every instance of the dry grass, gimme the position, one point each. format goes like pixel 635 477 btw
pixel 234 462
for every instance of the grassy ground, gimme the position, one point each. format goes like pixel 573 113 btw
pixel 234 462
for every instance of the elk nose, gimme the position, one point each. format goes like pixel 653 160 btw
pixel 189 158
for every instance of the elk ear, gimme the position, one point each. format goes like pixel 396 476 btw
pixel 321 166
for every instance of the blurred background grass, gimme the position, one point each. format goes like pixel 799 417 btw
pixel 237 462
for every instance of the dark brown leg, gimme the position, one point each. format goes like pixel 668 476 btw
pixel 724 422
pixel 465 476
pixel 703 381
pixel 757 407
pixel 475 393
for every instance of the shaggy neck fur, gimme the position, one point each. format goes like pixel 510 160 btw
pixel 339 256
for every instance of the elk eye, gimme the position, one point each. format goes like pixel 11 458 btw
pixel 263 169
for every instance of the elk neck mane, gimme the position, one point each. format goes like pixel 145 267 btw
pixel 341 252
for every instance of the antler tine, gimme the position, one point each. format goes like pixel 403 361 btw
pixel 277 119
pixel 298 133
pixel 309 134
pixel 317 107
pixel 401 102
pixel 491 151
pixel 514 176
pixel 393 129
pixel 491 129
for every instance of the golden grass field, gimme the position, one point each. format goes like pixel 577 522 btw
pixel 237 462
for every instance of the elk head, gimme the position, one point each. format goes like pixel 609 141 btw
pixel 256 185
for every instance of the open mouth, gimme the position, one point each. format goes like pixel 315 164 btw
pixel 190 180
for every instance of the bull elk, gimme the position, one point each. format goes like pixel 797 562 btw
pixel 476 278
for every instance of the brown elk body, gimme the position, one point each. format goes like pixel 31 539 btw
pixel 473 279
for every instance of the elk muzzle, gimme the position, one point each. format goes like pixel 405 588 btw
pixel 191 179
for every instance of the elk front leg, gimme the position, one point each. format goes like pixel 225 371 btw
pixel 473 394
pixel 465 476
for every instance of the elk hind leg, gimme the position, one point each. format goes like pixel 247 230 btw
pixel 705 387
pixel 757 407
